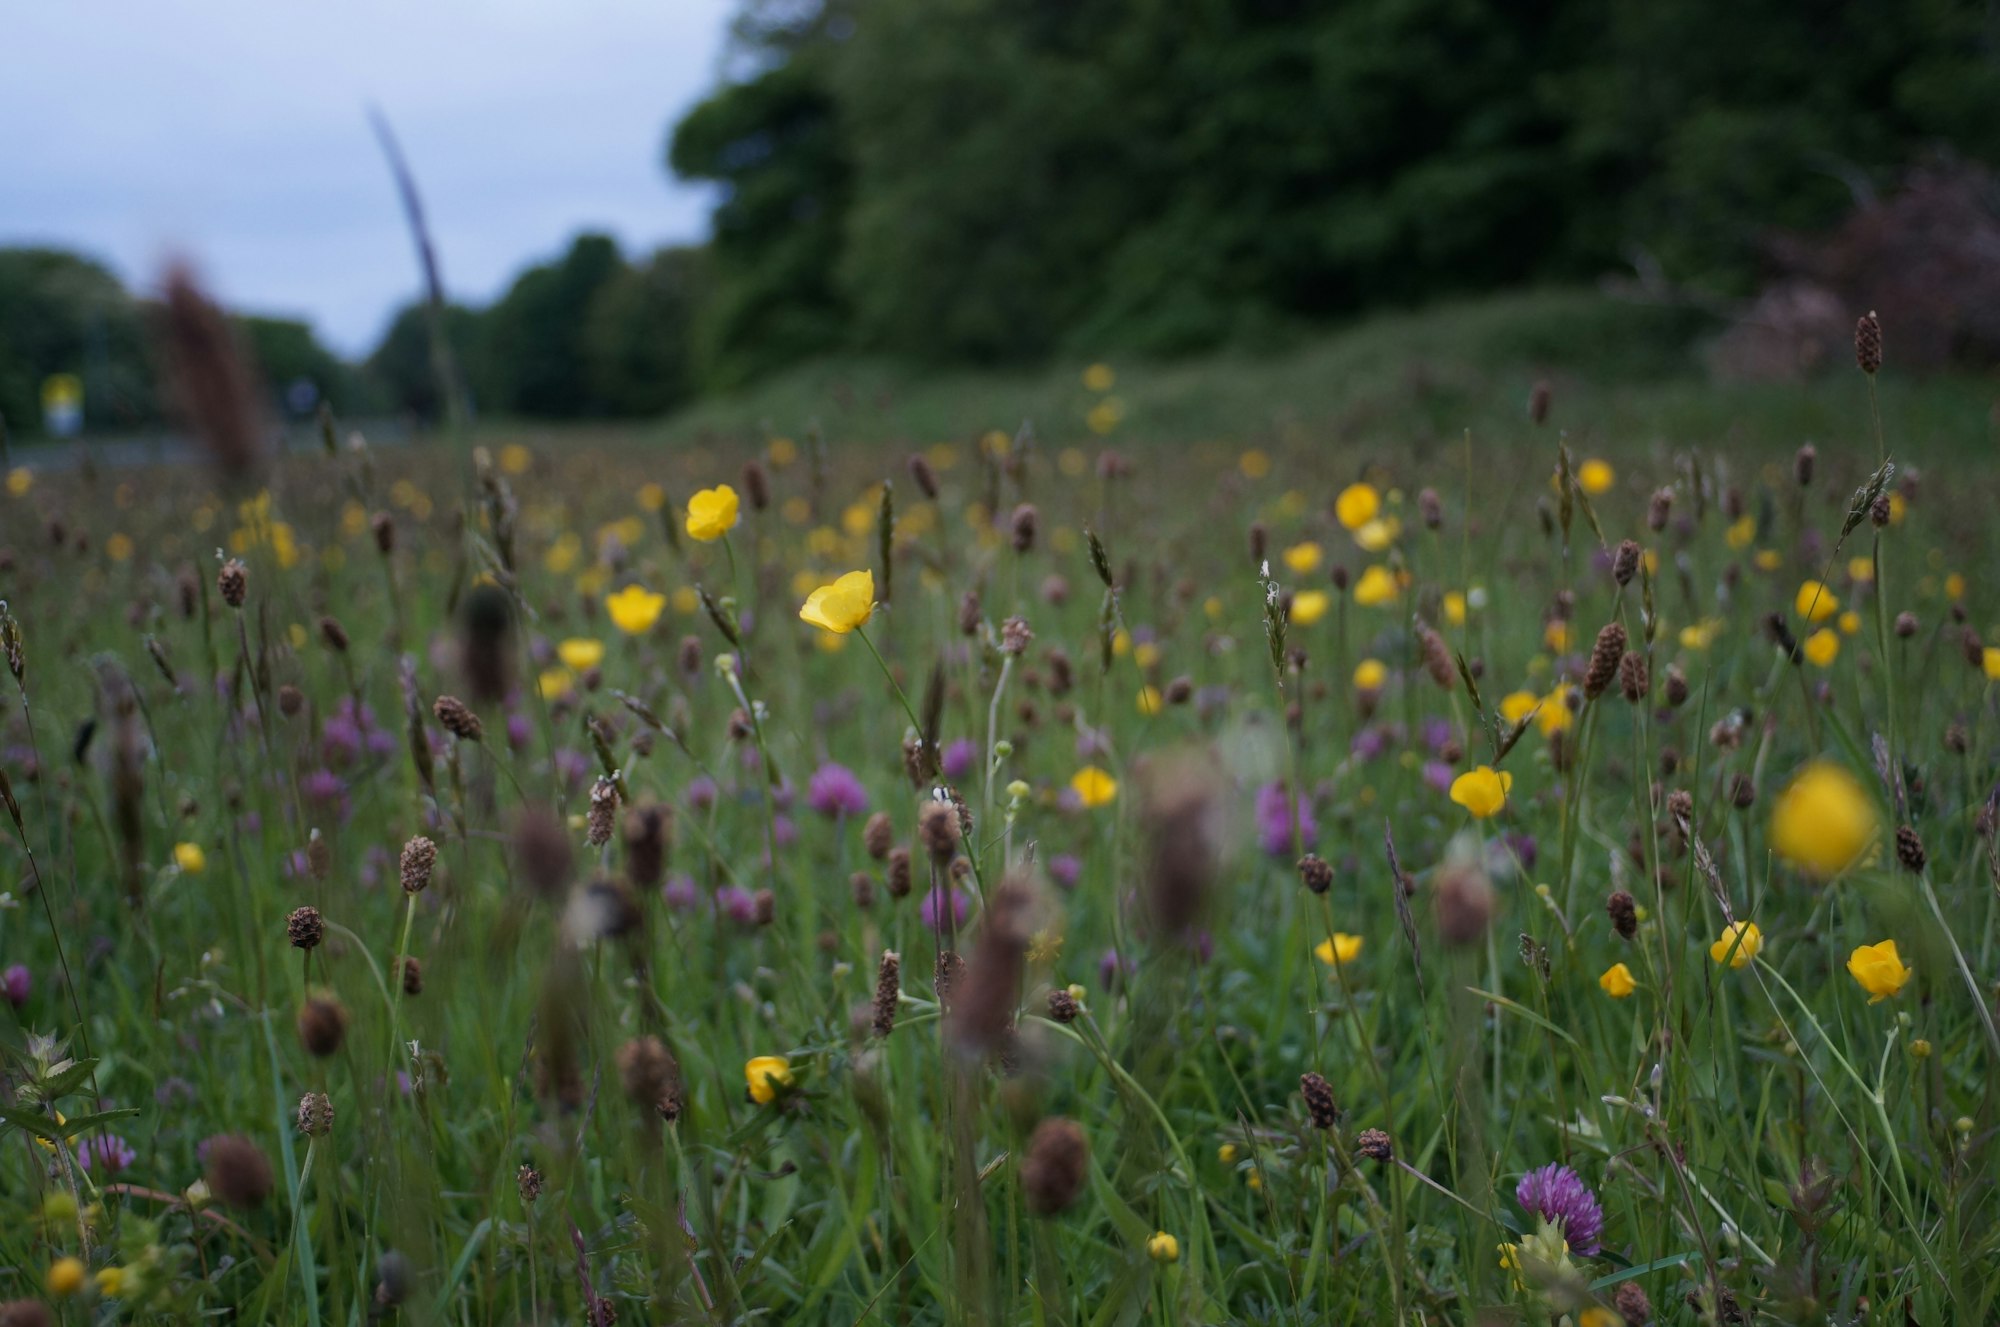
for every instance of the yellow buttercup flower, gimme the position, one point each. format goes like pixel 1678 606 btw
pixel 712 513
pixel 782 451
pixel 1861 568
pixel 1849 622
pixel 1163 1247
pixel 1227 1154
pixel 1095 787
pixel 1150 701
pixel 110 1281
pixel 1254 463
pixel 1342 948
pixel 553 682
pixel 1701 635
pixel 1556 636
pixel 1377 586
pixel 19 480
pixel 1822 647
pixel 66 1275
pixel 515 459
pixel 767 1076
pixel 635 609
pixel 1740 942
pixel 1595 476
pixel 1146 654
pixel 190 858
pixel 652 496
pixel 842 606
pixel 1617 981
pixel 1309 606
pixel 1741 532
pixel 1556 715
pixel 1482 791
pixel 1454 608
pixel 1370 675
pixel 1989 663
pixel 581 653
pixel 1518 705
pixel 1878 970
pixel 1376 535
pixel 1823 820
pixel 1304 558
pixel 1815 602
pixel 1099 378
pixel 1357 505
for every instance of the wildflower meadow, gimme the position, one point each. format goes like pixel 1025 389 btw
pixel 1033 877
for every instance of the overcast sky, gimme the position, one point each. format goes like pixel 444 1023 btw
pixel 236 132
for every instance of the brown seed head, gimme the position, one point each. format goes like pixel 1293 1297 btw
pixel 1658 508
pixel 457 719
pixel 1540 397
pixel 1437 658
pixel 1320 1105
pixel 233 582
pixel 925 477
pixel 1315 873
pixel 209 381
pixel 1026 518
pixel 878 835
pixel 1632 1305
pixel 937 830
pixel 384 526
pixel 238 1173
pixel 25 1313
pixel 1063 1007
pixel 646 1072
pixel 1375 1145
pixel 1625 562
pixel 1462 900
pixel 888 988
pixel 315 1114
pixel 1868 343
pixel 1624 914
pixel 1803 462
pixel 1677 686
pixel 756 484
pixel 419 860
pixel 305 928
pixel 648 833
pixel 542 848
pixel 333 634
pixel 411 971
pixel 1906 625
pixel 1431 508
pixel 1634 678
pixel 603 813
pixel 1055 1166
pixel 896 872
pixel 1910 850
pixel 1604 657
pixel 528 1183
pixel 322 1025
pixel 290 699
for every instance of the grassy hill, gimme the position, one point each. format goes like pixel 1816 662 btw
pixel 1625 376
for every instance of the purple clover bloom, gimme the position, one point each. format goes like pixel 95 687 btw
pixel 959 758
pixel 106 1154
pixel 701 793
pixel 1112 967
pixel 519 731
pixel 834 791
pixel 1438 775
pixel 1065 868
pixel 16 985
pixel 681 893
pixel 1556 1193
pixel 738 904
pixel 1274 821
pixel 933 909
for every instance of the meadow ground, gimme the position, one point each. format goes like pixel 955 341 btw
pixel 1333 866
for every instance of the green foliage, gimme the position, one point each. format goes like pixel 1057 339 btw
pixel 638 334
pixel 402 365
pixel 530 343
pixel 61 313
pixel 991 179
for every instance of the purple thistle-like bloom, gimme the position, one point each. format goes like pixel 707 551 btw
pixel 16 984
pixel 1065 869
pixel 106 1154
pixel 1438 775
pixel 681 893
pixel 959 758
pixel 737 904
pixel 1274 821
pixel 834 791
pixel 701 792
pixel 1556 1193
pixel 933 908
pixel 1112 968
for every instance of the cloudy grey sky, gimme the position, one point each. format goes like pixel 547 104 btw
pixel 235 131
